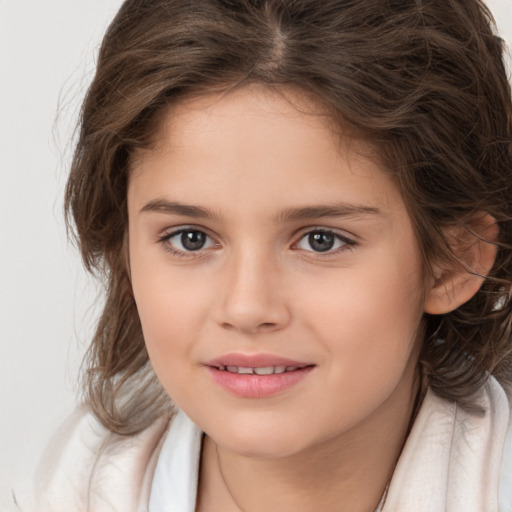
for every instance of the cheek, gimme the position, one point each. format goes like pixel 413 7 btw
pixel 368 318
pixel 169 327
pixel 368 296
pixel 370 347
pixel 168 297
pixel 170 310
pixel 169 315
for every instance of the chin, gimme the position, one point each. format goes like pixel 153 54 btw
pixel 260 441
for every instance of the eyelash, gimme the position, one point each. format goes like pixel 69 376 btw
pixel 165 241
pixel 347 243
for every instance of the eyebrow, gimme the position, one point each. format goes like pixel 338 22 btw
pixel 323 211
pixel 287 215
pixel 176 208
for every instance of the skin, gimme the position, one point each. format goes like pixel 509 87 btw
pixel 331 441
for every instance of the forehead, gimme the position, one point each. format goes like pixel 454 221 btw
pixel 195 116
pixel 280 144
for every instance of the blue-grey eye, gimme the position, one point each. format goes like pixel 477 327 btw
pixel 193 240
pixel 189 240
pixel 321 241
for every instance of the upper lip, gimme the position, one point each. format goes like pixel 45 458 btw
pixel 254 361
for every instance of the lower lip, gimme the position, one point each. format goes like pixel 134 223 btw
pixel 257 386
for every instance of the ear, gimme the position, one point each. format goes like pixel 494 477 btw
pixel 474 246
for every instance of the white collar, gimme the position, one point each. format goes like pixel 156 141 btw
pixel 176 474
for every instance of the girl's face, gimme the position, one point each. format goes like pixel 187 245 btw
pixel 276 274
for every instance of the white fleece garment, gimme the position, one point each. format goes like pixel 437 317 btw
pixel 452 461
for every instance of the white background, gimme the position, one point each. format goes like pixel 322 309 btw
pixel 47 52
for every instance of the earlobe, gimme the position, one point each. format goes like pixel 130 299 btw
pixel 474 246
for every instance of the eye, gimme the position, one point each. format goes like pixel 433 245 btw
pixel 186 240
pixel 323 241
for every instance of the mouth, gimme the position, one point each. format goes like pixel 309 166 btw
pixel 258 370
pixel 234 361
pixel 257 376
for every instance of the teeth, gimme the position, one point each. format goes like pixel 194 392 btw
pixel 266 370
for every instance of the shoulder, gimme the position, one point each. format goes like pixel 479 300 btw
pixel 456 458
pixel 497 403
pixel 88 467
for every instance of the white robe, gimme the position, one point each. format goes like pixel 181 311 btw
pixel 452 461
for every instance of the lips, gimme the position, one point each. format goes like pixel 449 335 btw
pixel 257 376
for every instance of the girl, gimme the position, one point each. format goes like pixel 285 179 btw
pixel 302 213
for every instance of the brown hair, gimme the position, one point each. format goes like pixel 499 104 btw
pixel 422 81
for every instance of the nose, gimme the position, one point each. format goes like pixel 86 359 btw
pixel 252 298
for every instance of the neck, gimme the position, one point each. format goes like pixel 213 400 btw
pixel 347 473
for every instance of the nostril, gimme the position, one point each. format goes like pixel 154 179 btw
pixel 264 326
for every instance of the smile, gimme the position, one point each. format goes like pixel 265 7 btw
pixel 265 370
pixel 257 375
